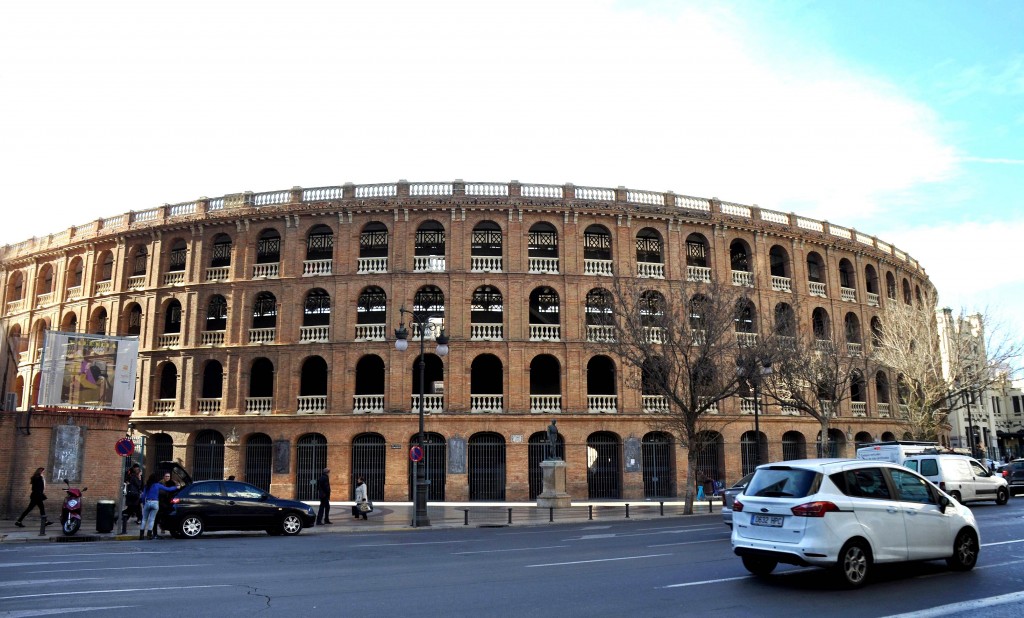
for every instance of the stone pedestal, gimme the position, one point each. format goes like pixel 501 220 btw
pixel 554 495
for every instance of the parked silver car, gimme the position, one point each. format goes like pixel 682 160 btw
pixel 729 496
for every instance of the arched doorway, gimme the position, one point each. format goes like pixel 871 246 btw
pixel 486 466
pixel 658 465
pixel 604 466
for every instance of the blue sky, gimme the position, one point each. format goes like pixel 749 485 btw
pixel 903 119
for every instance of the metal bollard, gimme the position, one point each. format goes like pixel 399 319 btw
pixel 465 515
pixel 551 514
pixel 627 510
pixel 591 507
pixel 661 508
pixel 42 526
pixel 510 516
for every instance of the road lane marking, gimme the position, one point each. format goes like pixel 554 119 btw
pixel 686 543
pixel 121 568
pixel 112 591
pixel 28 613
pixel 964 606
pixel 408 544
pixel 551 564
pixel 708 581
pixel 498 551
pixel 1002 543
pixel 25 564
pixel 37 582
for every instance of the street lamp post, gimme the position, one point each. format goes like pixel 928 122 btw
pixel 422 320
pixel 755 371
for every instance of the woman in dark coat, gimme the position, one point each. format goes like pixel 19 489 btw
pixel 36 498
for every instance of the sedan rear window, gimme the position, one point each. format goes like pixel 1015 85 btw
pixel 783 482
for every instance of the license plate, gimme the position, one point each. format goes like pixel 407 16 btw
pixel 772 521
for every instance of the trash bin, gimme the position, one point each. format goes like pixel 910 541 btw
pixel 105 516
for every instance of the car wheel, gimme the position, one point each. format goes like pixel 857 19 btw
pixel 1002 496
pixel 854 564
pixel 965 551
pixel 191 526
pixel 759 565
pixel 956 496
pixel 291 524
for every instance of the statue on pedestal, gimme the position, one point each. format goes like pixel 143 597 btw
pixel 551 448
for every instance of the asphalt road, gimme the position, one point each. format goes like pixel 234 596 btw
pixel 673 566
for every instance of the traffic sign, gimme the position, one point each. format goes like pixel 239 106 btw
pixel 124 447
pixel 416 453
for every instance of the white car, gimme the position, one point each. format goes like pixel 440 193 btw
pixel 848 515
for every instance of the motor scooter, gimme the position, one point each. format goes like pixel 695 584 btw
pixel 71 510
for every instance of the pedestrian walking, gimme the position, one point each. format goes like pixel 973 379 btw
pixel 323 491
pixel 362 505
pixel 36 498
pixel 132 497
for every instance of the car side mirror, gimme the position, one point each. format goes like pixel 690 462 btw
pixel 263 497
pixel 944 503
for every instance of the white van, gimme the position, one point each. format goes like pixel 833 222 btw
pixel 960 476
pixel 895 451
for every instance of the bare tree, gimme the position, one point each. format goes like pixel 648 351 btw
pixel 941 360
pixel 810 371
pixel 678 339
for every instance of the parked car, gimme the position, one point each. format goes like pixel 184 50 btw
pixel 963 477
pixel 848 515
pixel 233 505
pixel 1013 472
pixel 729 495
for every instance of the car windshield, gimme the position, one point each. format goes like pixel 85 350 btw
pixel 782 482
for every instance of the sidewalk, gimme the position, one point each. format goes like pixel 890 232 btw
pixel 398 516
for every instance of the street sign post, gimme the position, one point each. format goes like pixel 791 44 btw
pixel 416 453
pixel 124 447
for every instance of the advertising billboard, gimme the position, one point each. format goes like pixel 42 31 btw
pixel 88 371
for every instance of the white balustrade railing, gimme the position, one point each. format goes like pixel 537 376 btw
pixel 430 334
pixel 367 404
pixel 259 405
pixel 545 332
pixel 381 190
pixel 788 409
pixel 743 278
pixel 218 273
pixel 175 278
pixel 816 289
pixel 654 404
pixel 545 404
pixel 650 270
pixel 262 335
pixel 17 305
pixel 595 193
pixel 169 340
pixel 600 333
pixel 271 198
pixel 485 263
pixel 209 405
pixel 323 193
pixel 431 404
pixel 782 284
pixel 854 349
pixel 654 334
pixel 883 410
pixel 317 334
pixel 859 408
pixel 211 337
pixel 486 404
pixel 824 345
pixel 829 408
pixel 371 265
pixel 649 198
pixel 44 299
pixel 713 408
pixel 487 189
pixel 848 294
pixel 693 203
pixel 311 404
pixel 73 293
pixel 543 265
pixel 746 405
pixel 315 268
pixel 602 404
pixel 136 282
pixel 164 406
pixel 597 267
pixel 265 271
pixel 486 332
pixel 872 299
pixel 698 273
pixel 548 191
pixel 904 410
pixel 746 340
pixel 417 189
pixel 104 287
pixel 737 210
pixel 371 332
pixel 428 264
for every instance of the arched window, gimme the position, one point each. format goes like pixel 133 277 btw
pixel 745 319
pixel 698 312
pixel 906 293
pixel 140 260
pixel 597 246
pixel 815 267
pixel 220 255
pixel 876 331
pixel 268 247
pixel 176 259
pixel 313 379
pixel 261 378
pixel 44 282
pixel 320 243
pixel 851 328
pixel 739 256
pixel 486 384
pixel 598 315
pixel 890 286
pixel 542 248
pixel 778 259
pixel 213 380
pixel 168 382
pixel 264 311
pixel 172 318
pixel 373 248
pixel 217 313
pixel 369 384
pixel 847 275
pixel 316 311
pixel 820 323
pixel 76 273
pixel 545 311
pixel 98 323
pixel 545 384
pixel 485 247
pixel 372 307
pixel 430 239
pixel 133 321
pixel 871 282
pixel 105 272
pixel 601 385
pixel 486 314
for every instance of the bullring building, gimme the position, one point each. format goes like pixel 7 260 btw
pixel 266 329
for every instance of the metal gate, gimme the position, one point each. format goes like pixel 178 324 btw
pixel 535 455
pixel 604 466
pixel 710 460
pixel 311 459
pixel 793 447
pixel 435 456
pixel 163 448
pixel 369 452
pixel 258 460
pixel 658 469
pixel 486 467
pixel 208 456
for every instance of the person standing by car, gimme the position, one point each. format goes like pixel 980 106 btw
pixel 36 498
pixel 132 497
pixel 323 492
pixel 150 505
pixel 362 506
pixel 168 488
